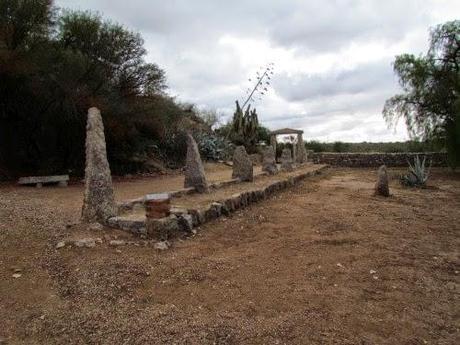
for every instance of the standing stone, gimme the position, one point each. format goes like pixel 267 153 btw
pixel 268 161
pixel 242 165
pixel 273 141
pixel 301 152
pixel 286 160
pixel 99 202
pixel 381 186
pixel 194 171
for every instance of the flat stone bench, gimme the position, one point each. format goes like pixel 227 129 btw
pixel 39 181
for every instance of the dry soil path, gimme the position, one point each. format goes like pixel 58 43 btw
pixel 323 263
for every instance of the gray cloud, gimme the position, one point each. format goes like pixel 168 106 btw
pixel 341 99
pixel 364 78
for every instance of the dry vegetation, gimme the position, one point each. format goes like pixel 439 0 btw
pixel 322 263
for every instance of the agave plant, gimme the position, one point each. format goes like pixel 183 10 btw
pixel 418 173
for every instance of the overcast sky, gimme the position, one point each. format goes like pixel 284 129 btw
pixel 332 58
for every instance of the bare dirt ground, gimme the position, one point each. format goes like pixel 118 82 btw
pixel 322 263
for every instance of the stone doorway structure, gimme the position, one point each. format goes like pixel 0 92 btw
pixel 298 147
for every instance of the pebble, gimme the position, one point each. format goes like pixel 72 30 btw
pixel 163 245
pixel 95 227
pixel 372 271
pixel 60 244
pixel 86 242
pixel 117 243
pixel 17 275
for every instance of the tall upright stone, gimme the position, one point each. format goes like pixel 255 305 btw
pixel 99 202
pixel 301 154
pixel 194 170
pixel 269 160
pixel 286 160
pixel 381 186
pixel 242 165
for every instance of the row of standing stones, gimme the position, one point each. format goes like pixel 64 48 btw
pixel 99 203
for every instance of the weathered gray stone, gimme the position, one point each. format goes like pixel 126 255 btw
pixel 269 161
pixel 301 153
pixel 242 165
pixel 59 179
pixel 99 202
pixel 286 160
pixel 194 170
pixel 185 222
pixel 131 225
pixel 163 228
pixel 381 186
pixel 213 211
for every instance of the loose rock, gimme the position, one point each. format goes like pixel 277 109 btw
pixel 115 243
pixel 85 242
pixel 163 245
pixel 60 244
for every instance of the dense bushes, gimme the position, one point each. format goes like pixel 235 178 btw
pixel 53 67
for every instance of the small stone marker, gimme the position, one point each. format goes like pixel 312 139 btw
pixel 99 202
pixel 286 160
pixel 39 181
pixel 242 165
pixel 157 205
pixel 268 161
pixel 381 186
pixel 194 170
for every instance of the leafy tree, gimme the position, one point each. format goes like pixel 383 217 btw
pixel 430 103
pixel 53 67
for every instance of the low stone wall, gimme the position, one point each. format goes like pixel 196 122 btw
pixel 184 220
pixel 362 160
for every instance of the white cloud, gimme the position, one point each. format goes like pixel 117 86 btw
pixel 332 57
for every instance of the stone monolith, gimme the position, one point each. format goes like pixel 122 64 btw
pixel 269 160
pixel 99 202
pixel 381 186
pixel 194 170
pixel 242 165
pixel 286 160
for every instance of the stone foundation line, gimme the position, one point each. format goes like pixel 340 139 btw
pixel 185 220
pixel 128 205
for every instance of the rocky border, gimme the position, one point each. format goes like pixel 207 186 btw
pixel 185 220
pixel 128 205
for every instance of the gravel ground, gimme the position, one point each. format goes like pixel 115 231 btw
pixel 324 262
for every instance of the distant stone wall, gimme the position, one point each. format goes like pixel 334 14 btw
pixel 361 160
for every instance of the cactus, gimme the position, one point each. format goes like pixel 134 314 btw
pixel 245 127
pixel 418 173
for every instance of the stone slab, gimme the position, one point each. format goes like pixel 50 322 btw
pixel 43 179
